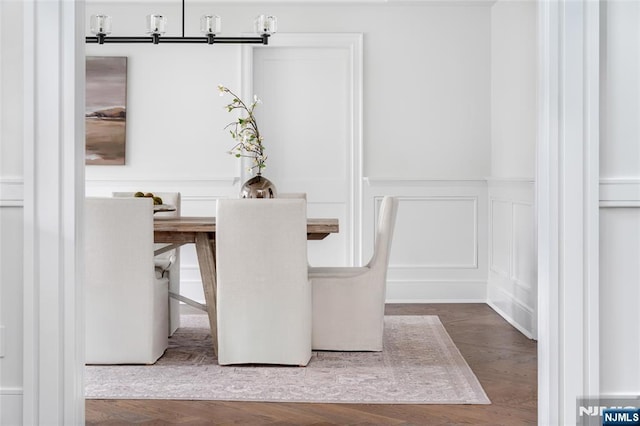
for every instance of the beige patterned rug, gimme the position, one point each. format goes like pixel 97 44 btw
pixel 419 365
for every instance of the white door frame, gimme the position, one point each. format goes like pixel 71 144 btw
pixel 352 42
pixel 53 350
pixel 567 206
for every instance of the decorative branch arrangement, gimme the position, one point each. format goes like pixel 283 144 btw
pixel 245 131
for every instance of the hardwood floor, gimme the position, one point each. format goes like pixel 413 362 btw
pixel 502 358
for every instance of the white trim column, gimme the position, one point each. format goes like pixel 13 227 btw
pixel 53 205
pixel 567 192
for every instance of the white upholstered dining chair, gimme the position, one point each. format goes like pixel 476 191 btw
pixel 167 263
pixel 348 302
pixel 263 293
pixel 125 302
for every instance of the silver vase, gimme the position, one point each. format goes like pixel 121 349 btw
pixel 258 187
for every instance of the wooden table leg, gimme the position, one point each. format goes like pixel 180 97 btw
pixel 206 261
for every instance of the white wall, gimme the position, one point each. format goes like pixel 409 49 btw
pixel 512 280
pixel 513 88
pixel 426 86
pixel 11 200
pixel 620 199
pixel 426 106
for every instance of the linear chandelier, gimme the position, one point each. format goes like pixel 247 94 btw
pixel 210 26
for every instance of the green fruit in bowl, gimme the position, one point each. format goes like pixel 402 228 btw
pixel 139 194
pixel 157 201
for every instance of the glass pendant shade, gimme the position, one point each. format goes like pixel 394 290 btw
pixel 210 24
pixel 266 24
pixel 156 24
pixel 100 24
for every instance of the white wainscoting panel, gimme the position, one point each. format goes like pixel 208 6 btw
pixel 11 288
pixel 619 301
pixel 500 254
pixel 439 251
pixel 11 406
pixel 512 276
pixel 619 286
pixel 446 227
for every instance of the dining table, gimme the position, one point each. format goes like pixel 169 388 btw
pixel 201 231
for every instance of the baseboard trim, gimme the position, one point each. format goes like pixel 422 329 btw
pixel 510 320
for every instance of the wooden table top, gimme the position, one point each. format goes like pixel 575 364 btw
pixel 184 227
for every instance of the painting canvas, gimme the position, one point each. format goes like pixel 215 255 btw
pixel 106 109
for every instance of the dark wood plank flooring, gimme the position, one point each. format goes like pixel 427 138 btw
pixel 502 358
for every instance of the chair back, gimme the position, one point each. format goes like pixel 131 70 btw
pixel 123 298
pixel 263 292
pixel 384 233
pixel 167 263
pixel 118 241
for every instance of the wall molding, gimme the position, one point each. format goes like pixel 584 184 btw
pixel 452 198
pixel 353 42
pixel 11 192
pixel 508 316
pixel 410 182
pixel 197 193
pixel 11 401
pixel 11 391
pixel 422 279
pixel 509 293
pixel 510 180
pixel 164 182
pixel 619 192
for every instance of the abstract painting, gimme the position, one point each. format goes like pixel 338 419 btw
pixel 105 109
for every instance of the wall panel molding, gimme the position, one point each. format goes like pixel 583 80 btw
pixel 11 192
pixel 340 50
pixel 473 264
pixel 176 182
pixel 11 404
pixel 434 216
pixel 511 285
pixel 433 182
pixel 620 192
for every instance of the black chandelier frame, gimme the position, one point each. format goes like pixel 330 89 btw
pixel 157 38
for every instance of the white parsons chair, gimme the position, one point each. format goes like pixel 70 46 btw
pixel 167 263
pixel 264 296
pixel 125 302
pixel 348 302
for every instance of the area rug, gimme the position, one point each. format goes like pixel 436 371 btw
pixel 420 364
